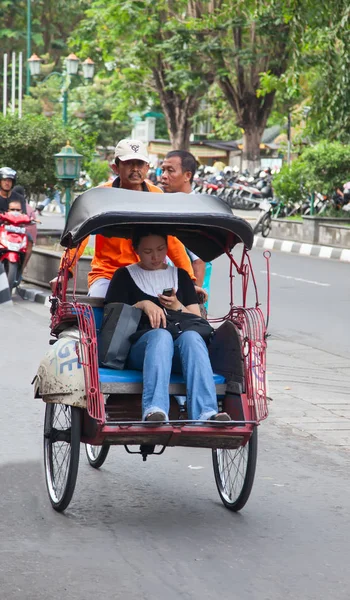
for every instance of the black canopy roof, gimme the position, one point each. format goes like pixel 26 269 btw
pixel 205 224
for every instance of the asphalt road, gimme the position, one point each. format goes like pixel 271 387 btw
pixel 151 530
pixel 309 298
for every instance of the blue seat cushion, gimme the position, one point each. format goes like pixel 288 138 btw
pixel 129 376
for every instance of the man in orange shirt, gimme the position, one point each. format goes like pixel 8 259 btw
pixel 131 166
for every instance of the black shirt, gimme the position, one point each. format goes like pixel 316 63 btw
pixel 4 202
pixel 123 289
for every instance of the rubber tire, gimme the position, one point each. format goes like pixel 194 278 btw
pixel 266 225
pixel 98 462
pixel 12 271
pixel 61 504
pixel 244 494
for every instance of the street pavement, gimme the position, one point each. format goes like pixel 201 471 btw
pixel 139 530
pixel 309 343
pixel 150 530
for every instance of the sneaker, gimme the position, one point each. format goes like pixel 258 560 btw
pixel 157 416
pixel 221 417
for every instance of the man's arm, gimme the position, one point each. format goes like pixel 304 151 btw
pixel 178 255
pixel 199 271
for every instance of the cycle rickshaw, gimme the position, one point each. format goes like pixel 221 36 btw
pixel 102 407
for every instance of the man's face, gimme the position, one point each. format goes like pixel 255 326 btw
pixel 173 179
pixel 6 184
pixel 132 173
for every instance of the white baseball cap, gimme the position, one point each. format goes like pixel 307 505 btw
pixel 131 149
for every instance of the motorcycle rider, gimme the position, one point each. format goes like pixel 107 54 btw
pixel 7 194
pixel 7 183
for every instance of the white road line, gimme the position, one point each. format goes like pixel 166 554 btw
pixel 298 279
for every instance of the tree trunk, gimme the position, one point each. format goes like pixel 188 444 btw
pixel 251 148
pixel 178 111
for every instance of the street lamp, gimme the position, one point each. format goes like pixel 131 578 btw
pixel 71 68
pixel 68 165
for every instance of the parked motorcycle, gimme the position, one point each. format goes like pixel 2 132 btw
pixel 263 223
pixel 13 244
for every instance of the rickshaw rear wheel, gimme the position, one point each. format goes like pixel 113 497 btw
pixel 234 472
pixel 62 433
pixel 96 455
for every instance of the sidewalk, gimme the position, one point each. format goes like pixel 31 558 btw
pixel 310 392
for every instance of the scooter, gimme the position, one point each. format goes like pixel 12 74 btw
pixel 13 244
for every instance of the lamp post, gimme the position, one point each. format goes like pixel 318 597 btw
pixel 29 39
pixel 71 69
pixel 67 163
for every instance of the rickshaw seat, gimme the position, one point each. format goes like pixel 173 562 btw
pixel 130 376
pixel 128 381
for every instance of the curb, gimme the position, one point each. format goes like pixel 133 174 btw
pixel 342 254
pixel 5 293
pixel 33 295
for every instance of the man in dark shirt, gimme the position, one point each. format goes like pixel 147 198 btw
pixel 7 182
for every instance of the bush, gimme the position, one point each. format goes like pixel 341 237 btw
pixel 28 146
pixel 322 168
pixel 99 171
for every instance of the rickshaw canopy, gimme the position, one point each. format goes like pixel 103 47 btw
pixel 203 223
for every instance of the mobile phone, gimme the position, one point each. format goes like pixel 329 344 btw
pixel 167 292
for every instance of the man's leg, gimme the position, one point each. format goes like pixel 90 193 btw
pixel 98 289
pixel 192 353
pixel 153 354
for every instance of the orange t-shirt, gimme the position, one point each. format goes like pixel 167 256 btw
pixel 113 253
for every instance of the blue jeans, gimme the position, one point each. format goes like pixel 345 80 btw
pixel 56 198
pixel 157 355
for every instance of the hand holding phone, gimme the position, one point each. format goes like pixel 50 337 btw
pixel 167 292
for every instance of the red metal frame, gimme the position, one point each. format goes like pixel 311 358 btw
pixel 250 323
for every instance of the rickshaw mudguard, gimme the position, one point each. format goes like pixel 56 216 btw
pixel 60 376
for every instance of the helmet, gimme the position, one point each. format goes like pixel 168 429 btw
pixel 7 173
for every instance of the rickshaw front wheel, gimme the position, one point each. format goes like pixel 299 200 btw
pixel 62 433
pixel 96 455
pixel 234 472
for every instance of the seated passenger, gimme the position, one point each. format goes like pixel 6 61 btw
pixel 155 352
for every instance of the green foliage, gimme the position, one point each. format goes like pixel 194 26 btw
pixel 99 171
pixel 323 168
pixel 28 146
pixel 52 22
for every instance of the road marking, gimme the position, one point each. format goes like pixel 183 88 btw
pixel 268 243
pixel 345 255
pixel 325 252
pixel 298 279
pixel 287 246
pixel 305 249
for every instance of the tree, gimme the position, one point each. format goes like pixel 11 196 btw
pixel 322 168
pixel 52 22
pixel 28 145
pixel 327 53
pixel 148 56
